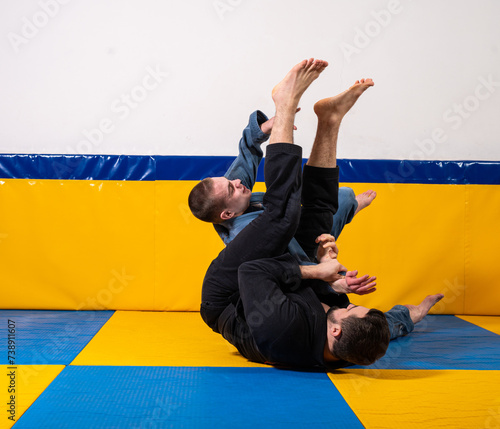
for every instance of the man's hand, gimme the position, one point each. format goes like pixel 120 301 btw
pixel 267 127
pixel 327 271
pixel 327 248
pixel 352 284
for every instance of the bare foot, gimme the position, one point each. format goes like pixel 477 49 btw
pixel 418 312
pixel 297 80
pixel 334 108
pixel 364 200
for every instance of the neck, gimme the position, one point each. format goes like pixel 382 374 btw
pixel 327 354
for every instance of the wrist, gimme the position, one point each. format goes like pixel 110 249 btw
pixel 308 271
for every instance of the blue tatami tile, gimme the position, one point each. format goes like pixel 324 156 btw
pixel 44 337
pixel 188 397
pixel 444 342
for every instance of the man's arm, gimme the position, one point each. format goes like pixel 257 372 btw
pixel 280 325
pixel 245 166
pixel 327 271
pixel 333 273
pixel 285 318
pixel 268 235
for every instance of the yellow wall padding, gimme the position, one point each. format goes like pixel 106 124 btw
pixel 135 246
pixel 412 238
pixel 168 339
pixel 184 247
pixel 30 382
pixel 482 295
pixel 421 399
pixel 77 244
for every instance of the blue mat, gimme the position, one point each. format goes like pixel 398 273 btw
pixel 47 337
pixel 162 397
pixel 444 342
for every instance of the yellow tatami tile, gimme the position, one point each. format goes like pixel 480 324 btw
pixel 28 381
pixel 421 399
pixel 491 323
pixel 159 339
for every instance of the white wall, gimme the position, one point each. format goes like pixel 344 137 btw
pixel 66 64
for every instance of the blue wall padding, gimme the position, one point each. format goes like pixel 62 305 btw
pixel 444 342
pixel 161 397
pixel 127 167
pixel 49 337
pixel 194 167
pixel 77 167
pixel 429 172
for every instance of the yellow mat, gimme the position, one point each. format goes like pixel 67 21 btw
pixel 156 338
pixel 29 381
pixel 490 323
pixel 421 399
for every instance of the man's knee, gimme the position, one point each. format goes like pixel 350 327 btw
pixel 347 208
pixel 347 196
pixel 283 224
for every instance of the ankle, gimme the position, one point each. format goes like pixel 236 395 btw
pixel 330 121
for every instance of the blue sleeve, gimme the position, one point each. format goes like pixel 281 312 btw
pixel 245 166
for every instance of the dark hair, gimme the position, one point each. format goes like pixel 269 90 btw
pixel 363 340
pixel 203 204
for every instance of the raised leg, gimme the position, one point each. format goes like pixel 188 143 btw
pixel 320 179
pixel 287 94
pixel 330 112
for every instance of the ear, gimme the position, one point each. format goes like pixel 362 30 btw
pixel 336 330
pixel 226 214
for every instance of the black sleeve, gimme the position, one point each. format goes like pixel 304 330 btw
pixel 269 234
pixel 277 317
pixel 319 203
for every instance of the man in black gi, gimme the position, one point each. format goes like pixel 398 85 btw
pixel 260 299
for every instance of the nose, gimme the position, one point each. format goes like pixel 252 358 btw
pixel 350 306
pixel 237 183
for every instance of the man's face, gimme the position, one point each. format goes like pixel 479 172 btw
pixel 351 310
pixel 236 195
